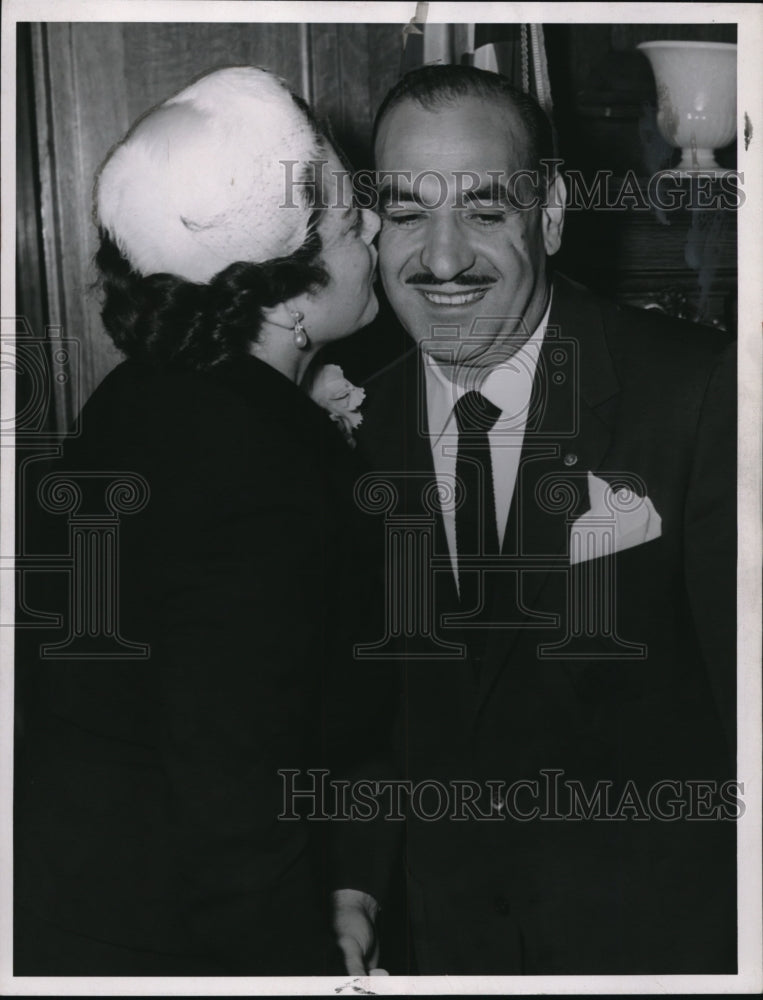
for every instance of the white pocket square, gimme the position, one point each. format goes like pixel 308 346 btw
pixel 617 520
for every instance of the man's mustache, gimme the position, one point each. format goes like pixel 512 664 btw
pixel 466 280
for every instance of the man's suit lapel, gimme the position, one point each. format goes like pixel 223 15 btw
pixel 402 451
pixel 567 435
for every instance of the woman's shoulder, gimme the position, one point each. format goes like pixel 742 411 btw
pixel 181 400
pixel 242 414
pixel 133 385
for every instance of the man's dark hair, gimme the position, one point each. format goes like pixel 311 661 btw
pixel 434 87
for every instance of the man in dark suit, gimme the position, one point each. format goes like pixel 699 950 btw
pixel 569 647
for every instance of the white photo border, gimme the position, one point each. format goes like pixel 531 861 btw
pixel 749 19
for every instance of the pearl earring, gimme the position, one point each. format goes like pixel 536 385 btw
pixel 299 332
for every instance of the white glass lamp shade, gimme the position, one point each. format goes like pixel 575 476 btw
pixel 696 97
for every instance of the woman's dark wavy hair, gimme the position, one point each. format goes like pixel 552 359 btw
pixel 164 320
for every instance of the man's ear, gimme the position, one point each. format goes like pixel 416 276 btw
pixel 283 314
pixel 553 214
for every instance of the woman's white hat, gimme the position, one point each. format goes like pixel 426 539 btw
pixel 210 177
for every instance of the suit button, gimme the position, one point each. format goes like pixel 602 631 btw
pixel 570 459
pixel 502 905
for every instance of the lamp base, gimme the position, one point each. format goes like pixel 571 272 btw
pixel 694 160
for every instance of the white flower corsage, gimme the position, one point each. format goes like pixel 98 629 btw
pixel 331 390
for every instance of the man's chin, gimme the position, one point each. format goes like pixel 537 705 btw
pixel 478 329
pixel 458 354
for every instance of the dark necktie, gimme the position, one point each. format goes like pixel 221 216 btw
pixel 476 531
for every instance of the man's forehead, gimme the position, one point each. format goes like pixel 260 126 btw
pixel 466 133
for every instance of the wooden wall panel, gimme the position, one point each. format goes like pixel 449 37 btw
pixel 31 299
pixel 80 113
pixel 348 111
pixel 353 67
pixel 163 58
pixel 385 56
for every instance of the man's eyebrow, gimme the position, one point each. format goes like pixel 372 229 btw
pixel 389 189
pixel 495 190
pixel 391 192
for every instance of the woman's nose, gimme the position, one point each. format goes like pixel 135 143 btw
pixel 446 252
pixel 371 224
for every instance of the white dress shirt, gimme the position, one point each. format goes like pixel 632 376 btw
pixel 509 387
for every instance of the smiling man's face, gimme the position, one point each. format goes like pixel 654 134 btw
pixel 466 276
